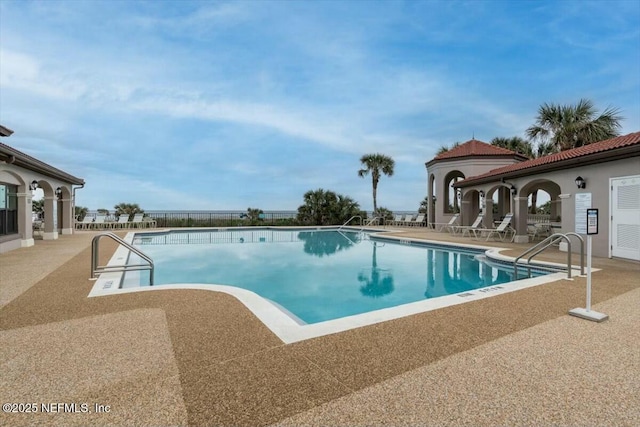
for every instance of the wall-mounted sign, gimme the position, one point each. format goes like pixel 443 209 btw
pixel 583 202
pixel 592 221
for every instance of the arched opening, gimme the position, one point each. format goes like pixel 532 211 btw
pixel 544 203
pixel 451 201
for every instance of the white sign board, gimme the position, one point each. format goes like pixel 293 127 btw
pixel 583 202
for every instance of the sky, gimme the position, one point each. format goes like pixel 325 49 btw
pixel 225 105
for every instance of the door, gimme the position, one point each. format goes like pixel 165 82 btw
pixel 625 217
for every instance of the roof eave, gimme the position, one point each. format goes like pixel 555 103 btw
pixel 517 157
pixel 600 157
pixel 20 159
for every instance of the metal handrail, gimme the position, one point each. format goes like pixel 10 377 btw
pixel 95 252
pixel 554 238
pixel 571 233
pixel 375 218
pixel 349 220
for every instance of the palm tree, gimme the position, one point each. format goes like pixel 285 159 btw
pixel 80 212
pixel 515 143
pixel 326 208
pixel 376 164
pixel 569 126
pixel 444 148
pixel 127 209
pixel 526 148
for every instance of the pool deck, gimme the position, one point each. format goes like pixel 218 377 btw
pixel 189 357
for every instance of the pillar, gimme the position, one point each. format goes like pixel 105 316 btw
pixel 25 224
pixel 520 216
pixel 50 218
pixel 66 225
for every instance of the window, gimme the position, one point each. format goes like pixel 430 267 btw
pixel 8 209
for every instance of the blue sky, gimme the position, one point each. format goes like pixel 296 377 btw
pixel 229 105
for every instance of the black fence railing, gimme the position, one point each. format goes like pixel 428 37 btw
pixel 223 218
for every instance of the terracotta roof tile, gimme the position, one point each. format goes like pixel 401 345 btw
pixel 596 147
pixel 474 148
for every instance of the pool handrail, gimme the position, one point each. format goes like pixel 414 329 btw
pixel 375 218
pixel 554 238
pixel 95 254
pixel 349 220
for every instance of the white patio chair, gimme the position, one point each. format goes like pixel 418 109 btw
pixel 419 221
pixel 123 222
pixel 501 230
pixel 468 229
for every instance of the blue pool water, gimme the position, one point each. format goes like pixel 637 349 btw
pixel 318 275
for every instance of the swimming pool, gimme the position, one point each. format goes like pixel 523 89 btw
pixel 309 282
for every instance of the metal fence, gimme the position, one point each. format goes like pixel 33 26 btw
pixel 221 218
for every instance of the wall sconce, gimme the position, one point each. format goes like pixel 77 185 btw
pixel 514 191
pixel 459 194
pixel 481 193
pixel 580 182
pixel 33 185
pixel 59 192
pixel 433 198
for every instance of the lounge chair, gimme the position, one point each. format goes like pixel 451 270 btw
pixel 99 222
pixel 408 220
pixel 85 223
pixel 447 226
pixel 397 220
pixel 419 221
pixel 123 222
pixel 501 230
pixel 467 230
pixel 137 220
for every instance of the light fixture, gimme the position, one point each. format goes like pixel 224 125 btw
pixel 580 182
pixel 514 191
pixel 481 194
pixel 33 185
pixel 459 193
pixel 59 192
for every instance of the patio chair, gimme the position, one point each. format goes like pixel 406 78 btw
pixel 85 223
pixel 447 226
pixel 468 229
pixel 397 220
pixel 419 221
pixel 501 230
pixel 123 222
pixel 99 222
pixel 408 220
pixel 539 230
pixel 137 220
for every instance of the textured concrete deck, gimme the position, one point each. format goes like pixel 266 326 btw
pixel 201 358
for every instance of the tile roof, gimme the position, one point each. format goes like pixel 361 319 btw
pixel 475 148
pixel 563 156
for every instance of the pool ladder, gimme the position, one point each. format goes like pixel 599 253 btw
pixel 554 238
pixel 95 255
pixel 349 220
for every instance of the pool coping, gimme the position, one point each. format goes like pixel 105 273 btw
pixel 289 329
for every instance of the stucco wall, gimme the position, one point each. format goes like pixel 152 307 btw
pixel 597 177
pixel 468 167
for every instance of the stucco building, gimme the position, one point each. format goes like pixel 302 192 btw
pixel 606 172
pixel 20 175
